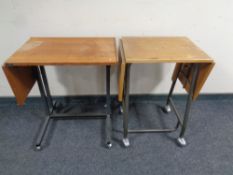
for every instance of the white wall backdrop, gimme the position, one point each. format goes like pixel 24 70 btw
pixel 208 23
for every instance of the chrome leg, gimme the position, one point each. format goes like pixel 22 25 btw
pixel 181 141
pixel 126 106
pixel 108 106
pixel 167 107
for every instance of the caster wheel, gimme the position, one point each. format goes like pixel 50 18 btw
pixel 121 110
pixel 167 108
pixel 109 145
pixel 126 142
pixel 38 147
pixel 181 142
pixel 54 104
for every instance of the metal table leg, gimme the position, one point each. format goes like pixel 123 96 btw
pixel 108 109
pixel 47 108
pixel 126 106
pixel 46 86
pixel 167 107
pixel 181 141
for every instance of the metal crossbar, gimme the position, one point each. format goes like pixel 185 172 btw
pixel 182 121
pixel 50 107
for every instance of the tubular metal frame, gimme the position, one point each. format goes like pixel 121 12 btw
pixel 50 107
pixel 183 123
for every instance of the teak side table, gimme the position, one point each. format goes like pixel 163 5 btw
pixel 26 66
pixel 192 69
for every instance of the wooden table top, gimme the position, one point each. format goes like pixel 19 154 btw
pixel 65 51
pixel 162 49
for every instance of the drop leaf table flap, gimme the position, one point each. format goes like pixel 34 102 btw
pixel 205 69
pixel 21 80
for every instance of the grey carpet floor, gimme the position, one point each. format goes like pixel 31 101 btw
pixel 77 146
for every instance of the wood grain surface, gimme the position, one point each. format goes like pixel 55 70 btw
pixel 65 51
pixel 162 49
